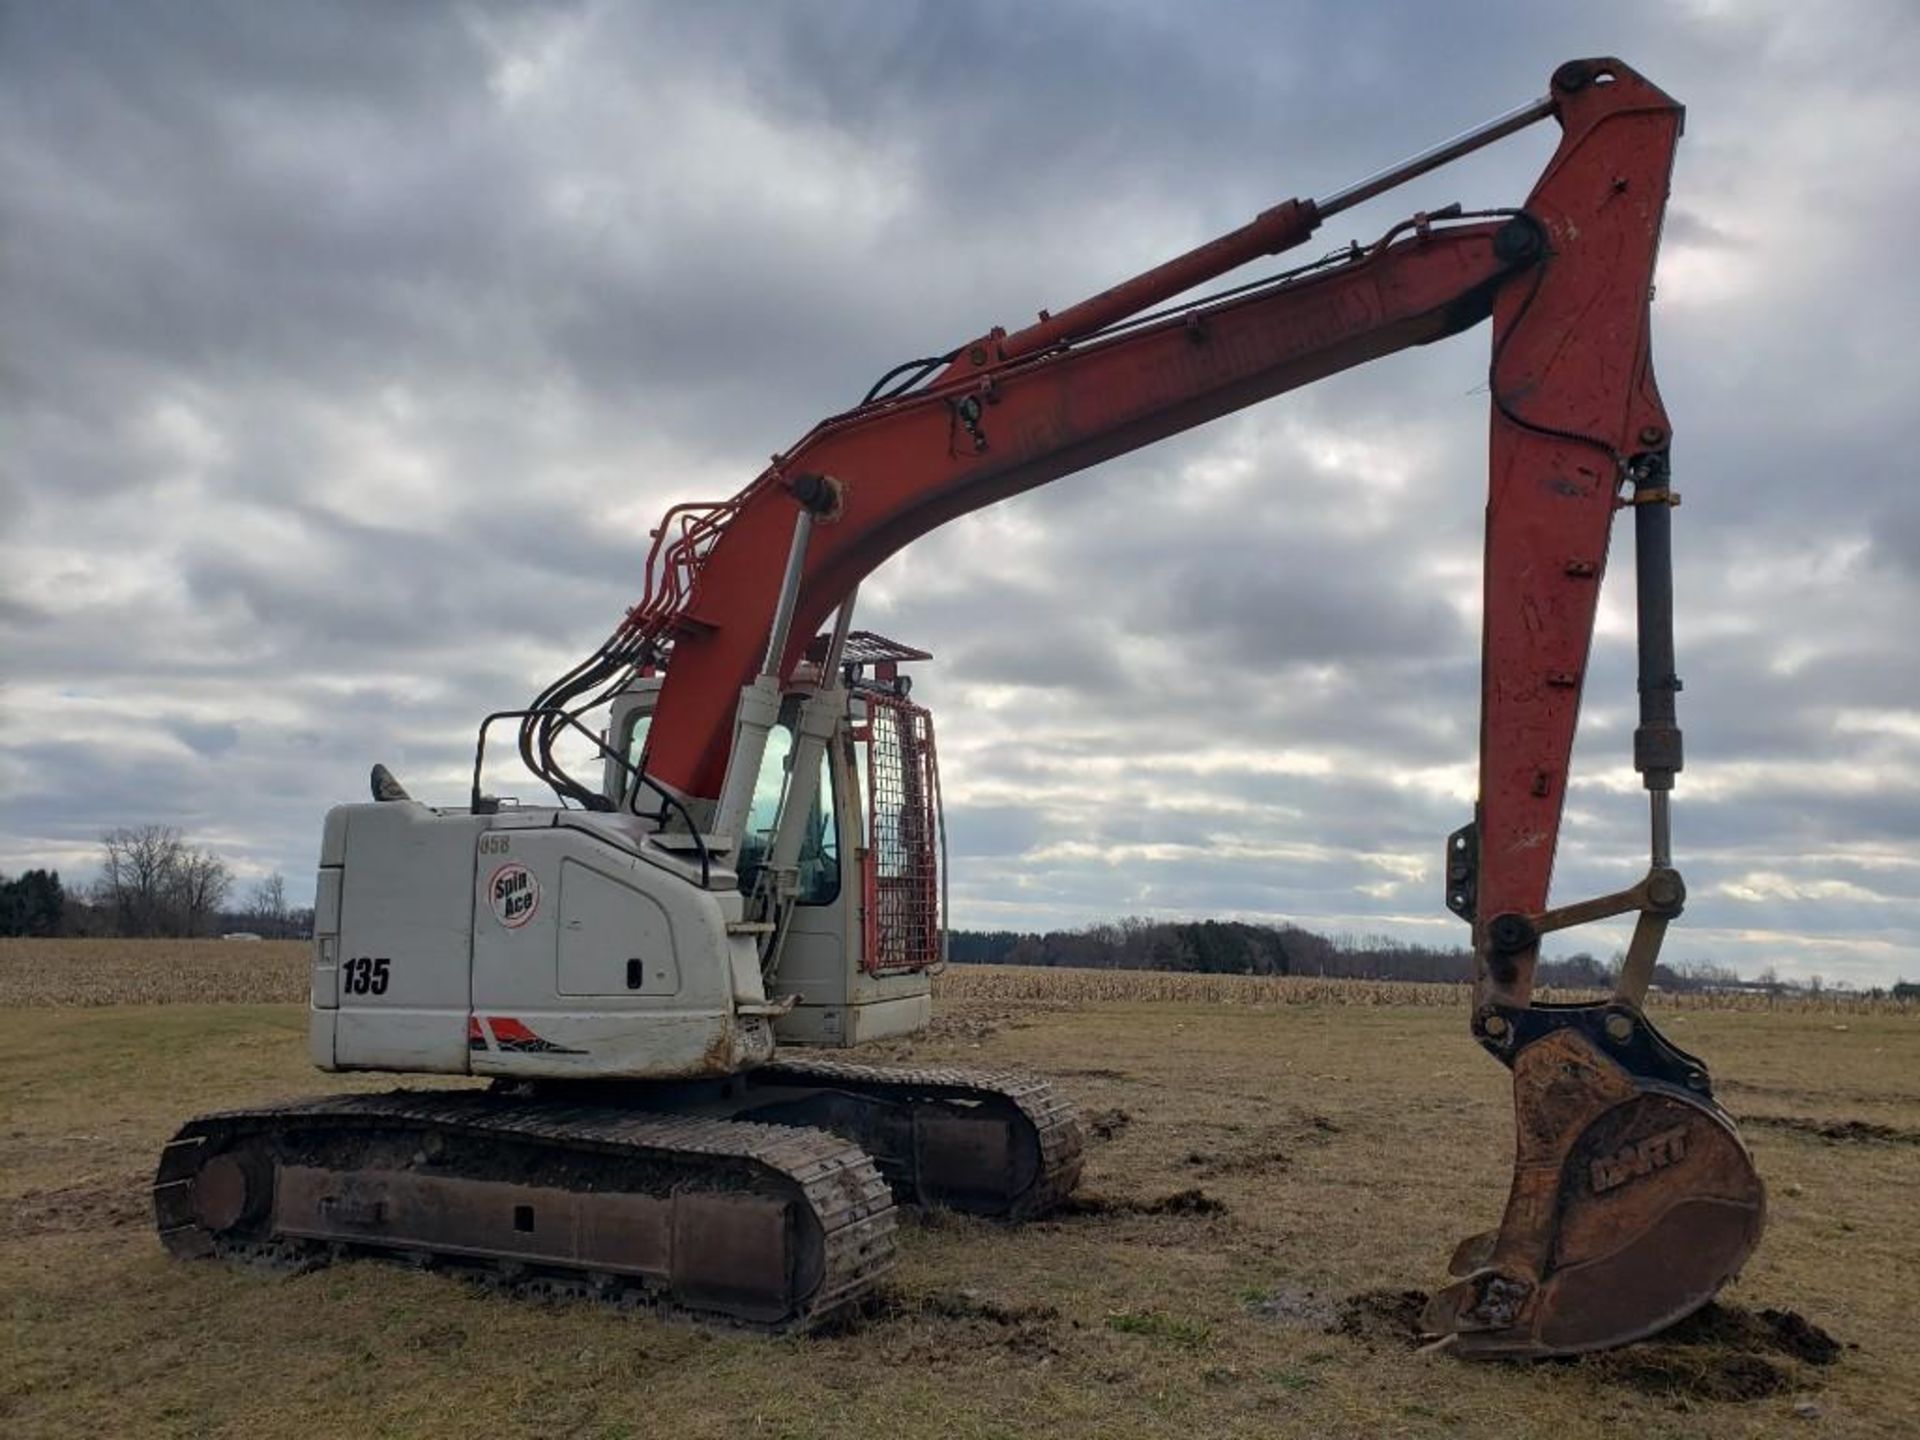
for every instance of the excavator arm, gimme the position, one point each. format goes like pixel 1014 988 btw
pixel 1633 1199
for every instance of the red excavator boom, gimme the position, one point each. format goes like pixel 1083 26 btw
pixel 1633 1198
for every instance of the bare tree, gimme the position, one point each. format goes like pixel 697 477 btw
pixel 138 876
pixel 267 906
pixel 199 891
pixel 153 883
pixel 1708 974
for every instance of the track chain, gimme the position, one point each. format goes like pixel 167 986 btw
pixel 1056 1125
pixel 847 1195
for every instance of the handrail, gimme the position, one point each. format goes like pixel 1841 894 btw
pixel 669 802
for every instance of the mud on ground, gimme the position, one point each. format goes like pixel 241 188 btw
pixel 1723 1352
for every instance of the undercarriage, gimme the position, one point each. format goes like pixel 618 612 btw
pixel 764 1201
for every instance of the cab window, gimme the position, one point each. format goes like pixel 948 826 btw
pixel 819 860
pixel 637 739
pixel 636 752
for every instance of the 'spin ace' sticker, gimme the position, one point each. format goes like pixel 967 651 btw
pixel 514 893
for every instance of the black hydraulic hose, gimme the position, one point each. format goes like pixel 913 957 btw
pixel 922 368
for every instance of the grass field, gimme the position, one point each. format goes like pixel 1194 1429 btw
pixel 1267 1176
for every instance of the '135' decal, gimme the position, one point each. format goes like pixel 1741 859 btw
pixel 366 975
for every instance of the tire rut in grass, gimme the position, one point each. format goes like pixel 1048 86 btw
pixel 1267 1148
pixel 943 1326
pixel 102 1204
pixel 1195 1204
pixel 1834 1132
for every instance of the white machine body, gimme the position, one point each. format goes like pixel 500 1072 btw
pixel 551 943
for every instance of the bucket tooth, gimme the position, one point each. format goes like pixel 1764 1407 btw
pixel 1472 1253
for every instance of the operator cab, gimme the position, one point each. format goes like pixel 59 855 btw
pixel 867 924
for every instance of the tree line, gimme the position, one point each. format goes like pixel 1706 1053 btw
pixel 152 882
pixel 1235 947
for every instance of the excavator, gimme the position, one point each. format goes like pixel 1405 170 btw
pixel 749 871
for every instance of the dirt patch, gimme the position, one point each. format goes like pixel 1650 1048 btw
pixel 1382 1316
pixel 1256 1161
pixel 1301 1309
pixel 972 1305
pixel 888 1303
pixel 1677 1373
pixel 1265 1152
pixel 1799 1337
pixel 105 1204
pixel 1835 1132
pixel 1195 1202
pixel 1722 1352
pixel 1185 1202
pixel 1105 1125
pixel 963 1027
pixel 1786 1332
pixel 940 1327
pixel 438 1339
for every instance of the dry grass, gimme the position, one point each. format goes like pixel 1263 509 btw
pixel 1341 1149
pixel 152 972
pixel 1000 983
pixel 1158 987
pixel 204 972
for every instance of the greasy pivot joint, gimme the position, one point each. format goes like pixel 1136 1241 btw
pixel 818 495
pixel 1520 241
pixel 1664 893
pixel 1510 934
pixel 1574 75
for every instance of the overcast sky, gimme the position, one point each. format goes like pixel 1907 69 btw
pixel 351 350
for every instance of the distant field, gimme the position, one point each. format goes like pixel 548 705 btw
pixel 1267 1181
pixel 152 972
pixel 1036 983
pixel 262 972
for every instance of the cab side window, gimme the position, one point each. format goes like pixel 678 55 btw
pixel 819 860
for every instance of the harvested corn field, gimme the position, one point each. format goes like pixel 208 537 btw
pixel 1019 982
pixel 1268 1185
pixel 152 972
pixel 188 972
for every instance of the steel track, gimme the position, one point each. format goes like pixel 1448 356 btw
pixel 1053 1121
pixel 850 1242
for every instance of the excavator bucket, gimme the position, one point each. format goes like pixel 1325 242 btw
pixel 1633 1199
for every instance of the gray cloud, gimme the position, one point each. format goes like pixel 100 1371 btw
pixel 352 349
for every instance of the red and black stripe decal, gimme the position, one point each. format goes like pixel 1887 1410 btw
pixel 513 1038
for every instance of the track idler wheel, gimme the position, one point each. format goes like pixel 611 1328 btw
pixel 1633 1198
pixel 232 1188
